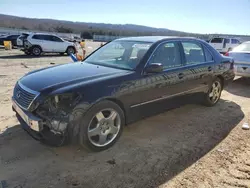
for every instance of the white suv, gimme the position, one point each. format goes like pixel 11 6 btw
pixel 224 45
pixel 37 43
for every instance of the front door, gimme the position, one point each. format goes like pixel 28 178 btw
pixel 170 82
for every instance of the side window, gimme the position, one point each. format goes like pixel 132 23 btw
pixel 48 37
pixel 227 41
pixel 235 41
pixel 38 37
pixel 168 54
pixel 13 37
pixel 193 53
pixel 217 40
pixel 56 39
pixel 208 55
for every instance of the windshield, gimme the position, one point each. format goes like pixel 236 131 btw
pixel 120 54
pixel 242 47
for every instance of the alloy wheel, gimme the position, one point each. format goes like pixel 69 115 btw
pixel 215 91
pixel 104 127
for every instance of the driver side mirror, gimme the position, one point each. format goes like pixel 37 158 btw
pixel 154 68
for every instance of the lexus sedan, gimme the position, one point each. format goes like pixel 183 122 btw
pixel 90 102
pixel 241 56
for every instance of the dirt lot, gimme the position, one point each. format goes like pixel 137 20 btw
pixel 192 146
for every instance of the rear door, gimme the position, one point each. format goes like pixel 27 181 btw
pixel 199 66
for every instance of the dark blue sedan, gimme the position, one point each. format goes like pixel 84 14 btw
pixel 90 102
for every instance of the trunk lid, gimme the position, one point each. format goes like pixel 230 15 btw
pixel 241 57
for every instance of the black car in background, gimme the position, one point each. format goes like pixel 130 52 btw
pixel 91 101
pixel 12 38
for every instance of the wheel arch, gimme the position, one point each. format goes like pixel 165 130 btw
pixel 88 105
pixel 70 46
pixel 222 80
pixel 120 104
pixel 36 45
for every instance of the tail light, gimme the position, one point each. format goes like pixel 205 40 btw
pixel 232 66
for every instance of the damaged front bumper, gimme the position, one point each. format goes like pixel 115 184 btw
pixel 37 129
pixel 32 121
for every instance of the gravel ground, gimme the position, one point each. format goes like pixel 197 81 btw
pixel 191 146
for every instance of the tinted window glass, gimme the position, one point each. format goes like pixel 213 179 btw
pixel 13 36
pixel 48 37
pixel 235 41
pixel 208 55
pixel 38 37
pixel 193 53
pixel 168 55
pixel 56 39
pixel 217 40
pixel 227 41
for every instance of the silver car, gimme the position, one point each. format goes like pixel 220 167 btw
pixel 241 56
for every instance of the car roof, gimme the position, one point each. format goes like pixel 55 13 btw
pixel 43 34
pixel 151 38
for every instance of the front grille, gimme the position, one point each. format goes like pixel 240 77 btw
pixel 23 96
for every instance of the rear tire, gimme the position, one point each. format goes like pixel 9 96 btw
pixel 36 51
pixel 212 97
pixel 70 50
pixel 101 126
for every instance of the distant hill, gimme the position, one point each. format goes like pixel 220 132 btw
pixel 87 29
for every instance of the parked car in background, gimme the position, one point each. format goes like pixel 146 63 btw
pixel 21 38
pixel 224 45
pixel 38 43
pixel 241 56
pixel 91 101
pixel 12 38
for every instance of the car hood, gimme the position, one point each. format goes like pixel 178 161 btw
pixel 69 43
pixel 64 75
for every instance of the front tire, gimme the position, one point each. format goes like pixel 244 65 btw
pixel 70 50
pixel 101 126
pixel 212 97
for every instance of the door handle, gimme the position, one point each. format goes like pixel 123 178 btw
pixel 180 75
pixel 209 69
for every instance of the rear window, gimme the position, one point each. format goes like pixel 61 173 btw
pixel 193 53
pixel 217 40
pixel 242 47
